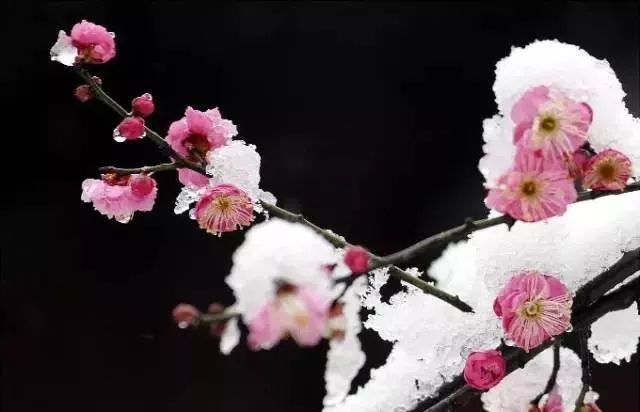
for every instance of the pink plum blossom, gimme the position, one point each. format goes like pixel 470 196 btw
pixel 548 121
pixel 130 128
pixel 143 106
pixel 93 42
pixel 484 370
pixel 194 136
pixel 298 312
pixel 534 189
pixel 224 208
pixel 534 307
pixel 357 259
pixel 608 170
pixel 119 197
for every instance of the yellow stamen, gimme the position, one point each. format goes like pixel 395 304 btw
pixel 529 188
pixel 548 124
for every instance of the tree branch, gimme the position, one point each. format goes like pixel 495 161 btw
pixel 274 210
pixel 404 256
pixel 339 241
pixel 554 374
pixel 137 170
pixel 457 393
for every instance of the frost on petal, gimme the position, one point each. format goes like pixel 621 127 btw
pixel 63 50
pixel 614 337
pixel 185 198
pixel 277 251
pixel 517 389
pixel 345 357
pixel 237 164
pixel 230 337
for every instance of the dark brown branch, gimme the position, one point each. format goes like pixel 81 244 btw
pixel 405 256
pixel 403 275
pixel 274 210
pixel 136 170
pixel 457 393
pixel 604 282
pixel 554 374
pixel 586 367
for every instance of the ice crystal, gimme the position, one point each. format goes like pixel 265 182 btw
pixel 615 336
pixel 186 197
pixel 575 247
pixel 517 389
pixel 345 357
pixel 238 164
pixel 230 337
pixel 278 251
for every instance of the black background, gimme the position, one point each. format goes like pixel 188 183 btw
pixel 368 119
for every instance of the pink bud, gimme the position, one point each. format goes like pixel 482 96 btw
pixel 130 128
pixel 143 105
pixel 357 259
pixel 142 185
pixel 83 93
pixel 185 315
pixel 484 370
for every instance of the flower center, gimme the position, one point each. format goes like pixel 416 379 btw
pixel 197 143
pixel 548 124
pixel 223 204
pixel 607 171
pixel 529 188
pixel 532 310
pixel 115 179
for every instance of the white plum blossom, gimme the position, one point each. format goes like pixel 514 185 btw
pixel 63 51
pixel 278 251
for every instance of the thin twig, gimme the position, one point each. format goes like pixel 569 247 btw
pixel 405 256
pixel 554 374
pixel 516 358
pixel 136 170
pixel 395 271
pixel 274 210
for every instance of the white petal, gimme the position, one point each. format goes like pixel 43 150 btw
pixel 230 337
pixel 63 51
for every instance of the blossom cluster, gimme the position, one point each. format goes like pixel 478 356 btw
pixel 547 147
pixel 226 198
pixel 290 282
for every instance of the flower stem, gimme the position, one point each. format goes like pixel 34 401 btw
pixel 162 167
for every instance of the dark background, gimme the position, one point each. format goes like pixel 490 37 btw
pixel 368 119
